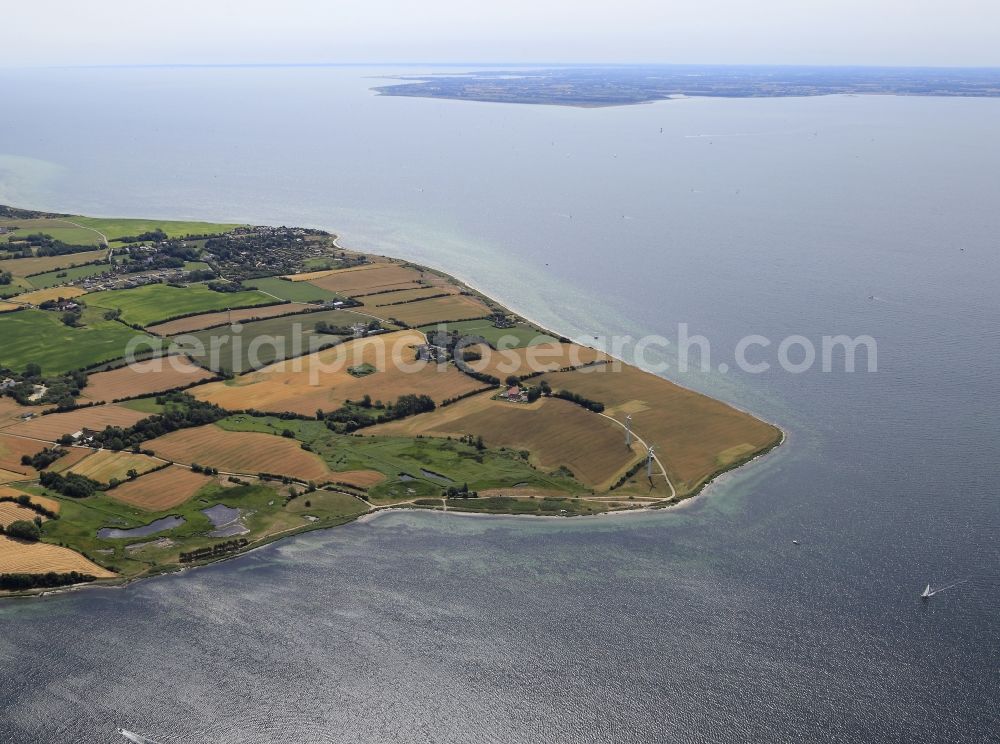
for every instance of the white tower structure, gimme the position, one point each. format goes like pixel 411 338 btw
pixel 649 463
pixel 628 430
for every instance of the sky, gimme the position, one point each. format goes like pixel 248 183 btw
pixel 875 32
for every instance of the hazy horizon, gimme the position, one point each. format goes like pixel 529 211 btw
pixel 893 33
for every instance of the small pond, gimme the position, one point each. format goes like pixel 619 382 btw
pixel 160 525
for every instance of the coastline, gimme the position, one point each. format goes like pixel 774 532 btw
pixel 676 501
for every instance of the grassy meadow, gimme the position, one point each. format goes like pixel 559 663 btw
pixel 41 337
pixel 155 303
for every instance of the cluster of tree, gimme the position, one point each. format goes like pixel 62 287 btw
pixel 46 245
pixel 200 275
pixel 6 278
pixel 23 529
pixel 25 501
pixel 151 236
pixel 228 287
pixel 590 405
pixel 472 441
pixel 206 469
pixel 460 492
pixel 219 549
pixel 182 411
pixel 41 460
pixel 73 485
pixel 59 389
pixel 13 582
pixel 356 415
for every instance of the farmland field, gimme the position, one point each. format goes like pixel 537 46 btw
pixel 294 291
pixel 21 557
pixel 161 490
pixel 117 228
pixel 50 504
pixel 9 307
pixel 262 342
pixel 361 279
pixel 59 229
pixel 322 381
pixel 52 278
pixel 454 307
pixel 11 411
pixel 39 336
pixel 54 293
pixel 695 436
pixel 557 433
pixel 11 512
pixel 13 447
pixel 424 465
pixel 509 338
pixel 143 378
pixel 159 302
pixel 405 295
pixel 104 466
pixel 240 452
pixel 38 265
pixel 209 320
pixel 53 426
pixel 542 357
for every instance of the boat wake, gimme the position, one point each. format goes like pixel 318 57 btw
pixel 137 738
pixel 928 592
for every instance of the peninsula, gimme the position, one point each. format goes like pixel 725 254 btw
pixel 620 85
pixel 175 393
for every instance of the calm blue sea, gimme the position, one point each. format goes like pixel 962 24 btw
pixel 815 216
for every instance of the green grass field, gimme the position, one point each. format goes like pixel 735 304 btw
pixel 59 229
pixel 284 330
pixel 459 463
pixel 294 291
pixel 41 337
pixel 52 278
pixel 16 287
pixel 117 228
pixel 154 303
pixel 514 338
pixel 267 513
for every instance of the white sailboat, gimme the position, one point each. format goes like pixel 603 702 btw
pixel 927 593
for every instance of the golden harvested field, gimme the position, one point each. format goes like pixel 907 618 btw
pixel 368 278
pixel 50 504
pixel 11 410
pixel 322 381
pixel 161 490
pixel 556 432
pixel 363 479
pixel 12 448
pixel 52 293
pixel 26 266
pixel 543 357
pixel 23 557
pixel 454 307
pixel 9 307
pixel 695 436
pixel 240 452
pixel 405 295
pixel 10 476
pixel 143 378
pixel 208 320
pixel 54 425
pixel 11 512
pixel 105 465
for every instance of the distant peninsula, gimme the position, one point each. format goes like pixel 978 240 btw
pixel 630 84
pixel 175 393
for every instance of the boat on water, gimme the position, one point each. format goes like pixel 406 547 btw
pixel 927 593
